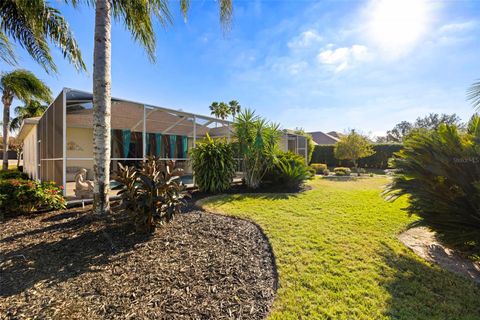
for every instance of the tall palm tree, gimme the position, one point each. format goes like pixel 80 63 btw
pixel 31 109
pixel 136 15
pixel 24 86
pixel 473 94
pixel 234 107
pixel 220 110
pixel 33 24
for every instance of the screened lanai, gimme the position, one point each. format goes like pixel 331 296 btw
pixel 62 144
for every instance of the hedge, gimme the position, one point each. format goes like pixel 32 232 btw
pixel 379 160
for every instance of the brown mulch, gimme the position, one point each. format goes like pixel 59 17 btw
pixel 71 265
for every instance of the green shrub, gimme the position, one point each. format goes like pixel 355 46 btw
pixel 379 160
pixel 23 196
pixel 342 171
pixel 13 174
pixel 290 170
pixel 151 194
pixel 440 172
pixel 213 164
pixel 326 172
pixel 312 171
pixel 319 167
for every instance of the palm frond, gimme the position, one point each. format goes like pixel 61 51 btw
pixel 25 86
pixel 6 50
pixel 473 94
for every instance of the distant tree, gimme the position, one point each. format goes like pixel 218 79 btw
pixel 31 109
pixel 352 147
pixel 25 86
pixel 234 107
pixel 220 110
pixel 399 132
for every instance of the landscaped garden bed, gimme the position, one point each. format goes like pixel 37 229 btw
pixel 70 264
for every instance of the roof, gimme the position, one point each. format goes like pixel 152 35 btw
pixel 27 125
pixel 320 137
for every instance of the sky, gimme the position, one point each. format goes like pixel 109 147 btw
pixel 316 65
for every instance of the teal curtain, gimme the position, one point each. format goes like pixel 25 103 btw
pixel 158 144
pixel 184 146
pixel 173 144
pixel 126 138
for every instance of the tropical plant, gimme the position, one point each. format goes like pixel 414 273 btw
pixel 136 15
pixel 35 24
pixel 473 94
pixel 22 85
pixel 214 164
pixel 151 194
pixel 353 147
pixel 439 171
pixel 13 174
pixel 293 176
pixel 234 108
pixel 31 109
pixel 258 145
pixel 220 110
pixel 342 171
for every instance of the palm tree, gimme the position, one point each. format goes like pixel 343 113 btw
pixel 136 15
pixel 220 110
pixel 24 86
pixel 473 94
pixel 234 107
pixel 31 109
pixel 33 24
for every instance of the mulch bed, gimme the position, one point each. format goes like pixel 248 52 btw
pixel 72 265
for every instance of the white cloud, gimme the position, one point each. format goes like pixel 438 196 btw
pixel 305 39
pixel 457 27
pixel 342 58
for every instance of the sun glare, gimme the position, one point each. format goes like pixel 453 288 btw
pixel 397 25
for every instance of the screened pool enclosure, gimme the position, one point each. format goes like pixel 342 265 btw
pixel 59 144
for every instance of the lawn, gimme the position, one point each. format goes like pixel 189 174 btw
pixel 338 256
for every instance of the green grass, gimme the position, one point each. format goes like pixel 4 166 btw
pixel 338 256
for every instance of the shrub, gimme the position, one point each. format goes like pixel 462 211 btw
pixel 439 170
pixel 342 171
pixel 326 172
pixel 214 165
pixel 13 174
pixel 352 147
pixel 22 196
pixel 379 160
pixel 290 170
pixel 319 167
pixel 258 144
pixel 151 194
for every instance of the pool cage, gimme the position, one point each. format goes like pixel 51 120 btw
pixel 138 130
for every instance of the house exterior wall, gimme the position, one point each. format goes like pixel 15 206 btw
pixel 30 154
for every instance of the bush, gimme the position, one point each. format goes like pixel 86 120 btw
pixel 22 196
pixel 379 160
pixel 13 174
pixel 214 165
pixel 290 170
pixel 326 172
pixel 319 167
pixel 151 194
pixel 439 170
pixel 342 171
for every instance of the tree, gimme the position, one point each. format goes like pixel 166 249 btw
pixel 352 147
pixel 473 94
pixel 31 109
pixel 24 86
pixel 258 145
pixel 399 132
pixel 234 108
pixel 220 110
pixel 136 15
pixel 33 24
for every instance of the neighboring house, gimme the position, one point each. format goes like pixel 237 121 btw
pixel 59 143
pixel 320 137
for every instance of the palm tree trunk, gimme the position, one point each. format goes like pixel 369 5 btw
pixel 102 106
pixel 7 101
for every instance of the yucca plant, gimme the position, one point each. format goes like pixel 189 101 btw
pixel 151 194
pixel 213 164
pixel 440 172
pixel 258 143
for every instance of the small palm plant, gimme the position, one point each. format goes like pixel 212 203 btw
pixel 22 85
pixel 258 143
pixel 440 171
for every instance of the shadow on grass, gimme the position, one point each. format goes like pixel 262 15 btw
pixel 422 291
pixel 82 243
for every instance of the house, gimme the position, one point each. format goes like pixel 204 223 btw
pixel 59 144
pixel 320 137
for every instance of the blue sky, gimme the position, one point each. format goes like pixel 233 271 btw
pixel 326 65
